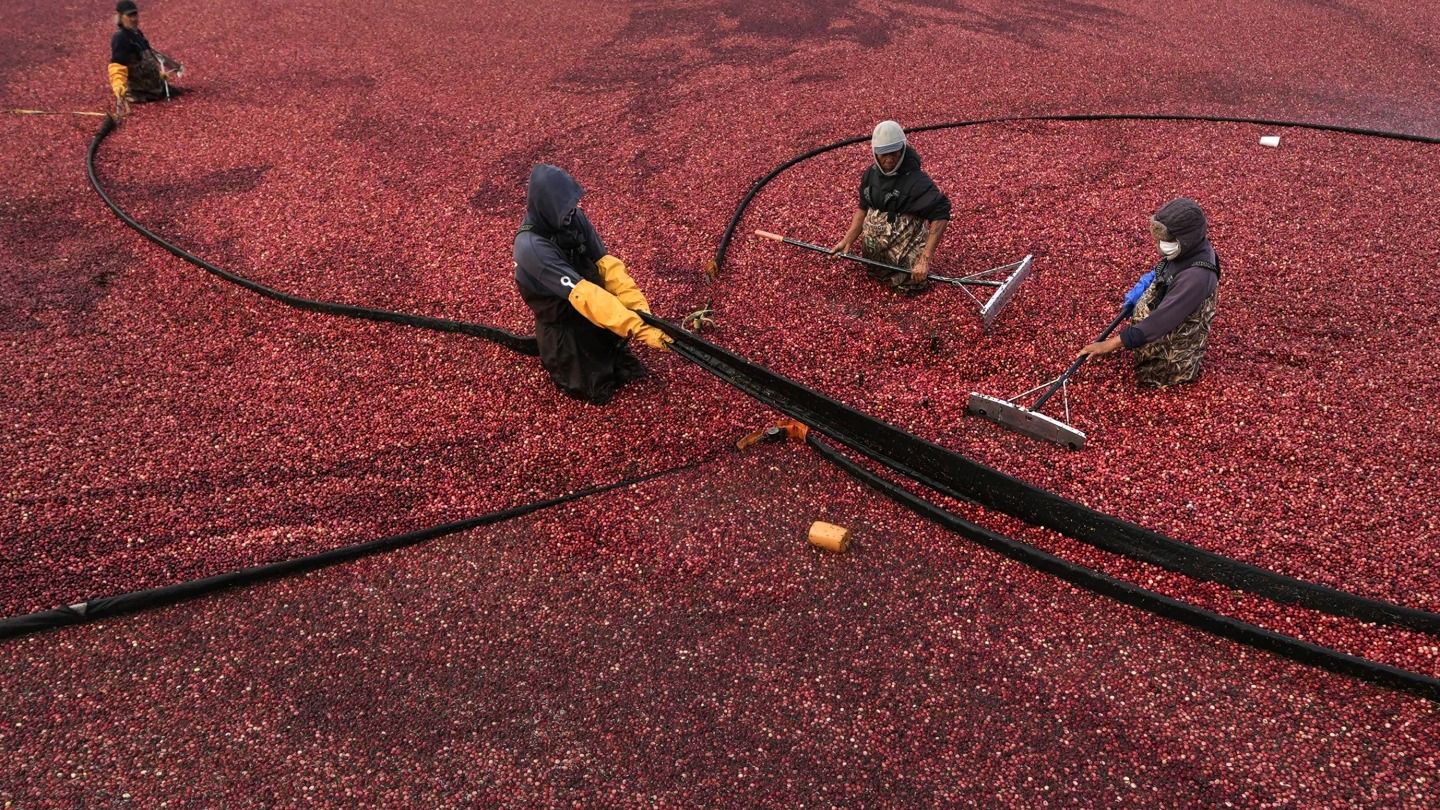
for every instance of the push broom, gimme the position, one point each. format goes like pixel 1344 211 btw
pixel 1004 289
pixel 1013 415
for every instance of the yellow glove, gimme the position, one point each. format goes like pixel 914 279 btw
pixel 620 284
pixel 603 309
pixel 119 79
pixel 653 338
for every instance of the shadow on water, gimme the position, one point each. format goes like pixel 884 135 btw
pixel 39 285
pixel 662 45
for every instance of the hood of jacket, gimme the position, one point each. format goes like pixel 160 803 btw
pixel 1185 221
pixel 550 197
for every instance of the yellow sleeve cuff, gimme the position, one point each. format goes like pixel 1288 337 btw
pixel 619 283
pixel 119 78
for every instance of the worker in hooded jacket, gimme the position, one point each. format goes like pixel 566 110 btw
pixel 137 72
pixel 584 300
pixel 901 213
pixel 1170 324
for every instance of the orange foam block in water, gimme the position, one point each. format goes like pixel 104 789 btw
pixel 829 536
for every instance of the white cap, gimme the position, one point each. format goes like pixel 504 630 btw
pixel 888 137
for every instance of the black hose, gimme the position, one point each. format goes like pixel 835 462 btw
pixel 1149 601
pixel 108 606
pixel 720 251
pixel 523 344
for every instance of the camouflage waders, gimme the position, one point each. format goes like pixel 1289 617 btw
pixel 898 243
pixel 1175 358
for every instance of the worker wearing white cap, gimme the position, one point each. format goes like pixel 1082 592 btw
pixel 901 213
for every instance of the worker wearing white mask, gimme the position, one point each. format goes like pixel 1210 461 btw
pixel 1170 324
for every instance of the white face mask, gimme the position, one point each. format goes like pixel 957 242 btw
pixel 1169 249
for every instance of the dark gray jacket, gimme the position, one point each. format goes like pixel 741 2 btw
pixel 1184 285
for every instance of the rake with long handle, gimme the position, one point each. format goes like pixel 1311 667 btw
pixel 1011 414
pixel 989 308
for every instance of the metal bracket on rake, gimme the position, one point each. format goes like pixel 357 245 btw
pixel 989 309
pixel 1014 274
pixel 1011 414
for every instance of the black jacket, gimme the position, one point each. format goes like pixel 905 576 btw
pixel 551 255
pixel 908 191
pixel 127 46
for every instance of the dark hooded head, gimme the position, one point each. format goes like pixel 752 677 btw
pixel 1185 221
pixel 551 197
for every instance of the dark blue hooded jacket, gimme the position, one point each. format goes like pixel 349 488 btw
pixel 551 253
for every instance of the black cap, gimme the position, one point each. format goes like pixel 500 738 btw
pixel 125 7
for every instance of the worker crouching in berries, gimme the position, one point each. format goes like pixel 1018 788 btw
pixel 1171 321
pixel 137 72
pixel 901 215
pixel 585 303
